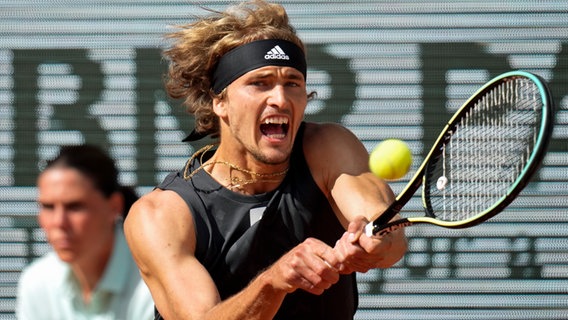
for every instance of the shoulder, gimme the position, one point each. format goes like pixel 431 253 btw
pixel 160 219
pixel 330 137
pixel 157 205
pixel 157 211
pixel 322 130
pixel 42 278
pixel 333 143
pixel 39 269
pixel 40 281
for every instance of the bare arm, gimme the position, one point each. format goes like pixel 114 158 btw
pixel 356 195
pixel 160 232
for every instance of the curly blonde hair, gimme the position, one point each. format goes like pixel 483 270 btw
pixel 198 46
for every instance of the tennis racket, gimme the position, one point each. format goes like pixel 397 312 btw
pixel 483 158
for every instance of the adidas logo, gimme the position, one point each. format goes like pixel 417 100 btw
pixel 276 53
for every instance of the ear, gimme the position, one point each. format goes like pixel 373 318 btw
pixel 116 202
pixel 220 107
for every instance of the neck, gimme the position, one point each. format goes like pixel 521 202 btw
pixel 248 177
pixel 89 273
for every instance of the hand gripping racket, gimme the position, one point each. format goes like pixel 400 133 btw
pixel 483 158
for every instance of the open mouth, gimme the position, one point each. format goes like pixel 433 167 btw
pixel 275 127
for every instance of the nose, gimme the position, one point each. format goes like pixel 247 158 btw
pixel 278 97
pixel 59 217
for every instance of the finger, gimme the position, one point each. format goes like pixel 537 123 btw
pixel 330 258
pixel 324 252
pixel 297 274
pixel 314 263
pixel 347 247
pixel 329 272
pixel 339 248
pixel 312 285
pixel 318 277
pixel 347 254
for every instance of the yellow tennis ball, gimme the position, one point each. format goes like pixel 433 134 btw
pixel 391 159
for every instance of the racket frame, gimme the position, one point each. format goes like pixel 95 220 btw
pixel 382 225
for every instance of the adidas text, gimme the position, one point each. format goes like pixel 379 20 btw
pixel 276 53
pixel 276 56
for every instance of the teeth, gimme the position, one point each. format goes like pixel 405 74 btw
pixel 276 120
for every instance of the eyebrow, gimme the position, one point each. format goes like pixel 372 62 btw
pixel 295 76
pixel 292 75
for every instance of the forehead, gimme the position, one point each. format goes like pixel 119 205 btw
pixel 63 183
pixel 275 71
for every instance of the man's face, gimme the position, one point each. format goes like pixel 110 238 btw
pixel 263 110
pixel 76 217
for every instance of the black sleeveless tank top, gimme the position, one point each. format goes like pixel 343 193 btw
pixel 240 235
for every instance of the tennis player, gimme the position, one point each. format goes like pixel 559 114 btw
pixel 267 223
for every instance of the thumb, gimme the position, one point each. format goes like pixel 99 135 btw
pixel 356 228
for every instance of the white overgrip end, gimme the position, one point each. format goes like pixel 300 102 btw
pixel 369 229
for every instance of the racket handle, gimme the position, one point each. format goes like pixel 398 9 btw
pixel 374 226
pixel 373 229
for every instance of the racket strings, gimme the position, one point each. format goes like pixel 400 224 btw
pixel 486 153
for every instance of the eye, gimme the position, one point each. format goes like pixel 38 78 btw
pixel 293 84
pixel 295 81
pixel 258 83
pixel 76 207
pixel 46 206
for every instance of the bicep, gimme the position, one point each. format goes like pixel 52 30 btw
pixel 344 175
pixel 160 232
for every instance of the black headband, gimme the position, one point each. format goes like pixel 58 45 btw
pixel 254 55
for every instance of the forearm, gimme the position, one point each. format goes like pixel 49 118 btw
pixel 358 252
pixel 362 195
pixel 259 300
pixel 368 198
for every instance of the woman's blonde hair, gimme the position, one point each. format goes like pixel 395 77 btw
pixel 198 46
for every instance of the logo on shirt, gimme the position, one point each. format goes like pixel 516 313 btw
pixel 255 214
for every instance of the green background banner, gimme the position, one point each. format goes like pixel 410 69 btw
pixel 91 71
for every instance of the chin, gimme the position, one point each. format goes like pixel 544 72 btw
pixel 271 153
pixel 66 256
pixel 275 157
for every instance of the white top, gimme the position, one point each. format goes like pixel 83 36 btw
pixel 47 289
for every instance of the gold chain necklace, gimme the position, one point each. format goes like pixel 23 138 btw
pixel 235 182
